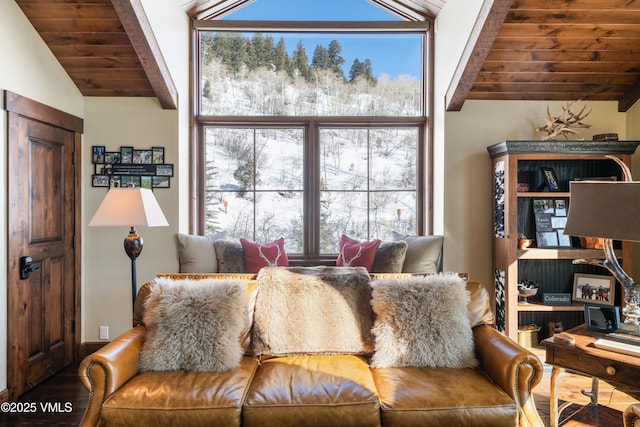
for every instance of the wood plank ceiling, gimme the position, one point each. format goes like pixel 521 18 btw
pixel 106 46
pixel 564 50
pixel 544 49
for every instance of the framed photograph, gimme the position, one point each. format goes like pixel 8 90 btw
pixel 160 182
pixel 126 155
pixel 561 207
pixel 558 221
pixel 142 157
pixel 164 170
pixel 547 239
pixel 545 206
pixel 98 153
pixel 112 157
pixel 158 155
pixel 146 182
pixel 114 181
pixel 100 181
pixel 550 179
pixel 130 181
pixel 593 289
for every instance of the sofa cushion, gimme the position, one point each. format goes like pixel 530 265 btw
pixel 181 398
pixel 390 257
pixel 257 256
pixel 230 256
pixel 423 253
pixel 193 325
pixel 196 254
pixel 442 397
pixel 352 253
pixel 313 310
pixel 422 321
pixel 310 391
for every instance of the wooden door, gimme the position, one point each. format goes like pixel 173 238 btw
pixel 41 225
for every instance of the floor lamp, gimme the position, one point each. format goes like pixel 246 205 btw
pixel 130 207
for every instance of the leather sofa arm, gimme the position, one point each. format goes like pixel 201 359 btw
pixel 516 370
pixel 631 415
pixel 106 370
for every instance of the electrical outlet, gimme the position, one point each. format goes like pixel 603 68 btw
pixel 104 332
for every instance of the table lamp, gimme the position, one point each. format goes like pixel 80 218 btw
pixel 609 210
pixel 130 207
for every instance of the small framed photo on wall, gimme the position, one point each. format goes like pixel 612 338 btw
pixel 157 155
pixel 98 154
pixel 126 155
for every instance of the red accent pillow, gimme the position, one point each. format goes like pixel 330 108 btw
pixel 257 256
pixel 352 253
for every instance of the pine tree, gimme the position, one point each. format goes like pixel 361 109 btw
pixel 232 49
pixel 362 70
pixel 320 59
pixel 368 71
pixel 357 70
pixel 281 60
pixel 335 60
pixel 301 61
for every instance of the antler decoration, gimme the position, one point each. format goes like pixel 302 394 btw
pixel 563 125
pixel 270 263
pixel 347 262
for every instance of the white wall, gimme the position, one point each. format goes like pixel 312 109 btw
pixel 28 69
pixel 141 123
pixel 467 170
pixel 452 29
pixel 115 122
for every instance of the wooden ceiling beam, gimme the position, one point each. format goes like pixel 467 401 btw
pixel 135 23
pixel 630 97
pixel 541 96
pixel 485 30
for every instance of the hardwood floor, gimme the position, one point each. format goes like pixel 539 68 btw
pixel 570 392
pixel 61 400
pixel 58 401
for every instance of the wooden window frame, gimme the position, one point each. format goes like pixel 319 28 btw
pixel 424 162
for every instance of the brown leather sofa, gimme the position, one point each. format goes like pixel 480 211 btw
pixel 632 415
pixel 317 390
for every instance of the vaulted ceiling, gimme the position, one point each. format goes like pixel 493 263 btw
pixel 518 49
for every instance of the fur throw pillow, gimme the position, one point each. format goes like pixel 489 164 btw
pixel 390 257
pixel 230 256
pixel 313 310
pixel 193 325
pixel 422 321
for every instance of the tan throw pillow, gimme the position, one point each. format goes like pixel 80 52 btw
pixel 313 310
pixel 422 321
pixel 197 254
pixel 193 325
pixel 423 253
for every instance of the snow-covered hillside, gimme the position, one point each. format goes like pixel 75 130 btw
pixel 259 172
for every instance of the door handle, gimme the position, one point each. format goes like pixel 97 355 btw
pixel 26 267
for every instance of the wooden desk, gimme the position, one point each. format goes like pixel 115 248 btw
pixel 619 370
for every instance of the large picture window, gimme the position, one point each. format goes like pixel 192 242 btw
pixel 311 133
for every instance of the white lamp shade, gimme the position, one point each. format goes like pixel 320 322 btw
pixel 129 207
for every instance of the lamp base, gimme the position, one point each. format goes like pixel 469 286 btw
pixel 629 328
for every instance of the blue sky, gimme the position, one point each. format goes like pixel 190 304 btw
pixel 391 54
